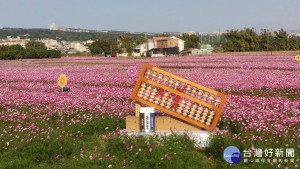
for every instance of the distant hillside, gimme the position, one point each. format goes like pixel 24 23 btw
pixel 60 35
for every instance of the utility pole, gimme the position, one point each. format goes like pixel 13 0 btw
pixel 267 43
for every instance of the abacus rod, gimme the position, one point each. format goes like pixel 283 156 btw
pixel 179 93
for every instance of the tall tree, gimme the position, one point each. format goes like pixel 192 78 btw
pixel 36 45
pixel 101 45
pixel 127 43
pixel 191 41
pixel 267 40
pixel 140 40
pixel 281 40
pixel 233 41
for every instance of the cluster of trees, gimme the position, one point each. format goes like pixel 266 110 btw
pixel 191 41
pixel 32 49
pixel 126 43
pixel 249 40
pixel 61 35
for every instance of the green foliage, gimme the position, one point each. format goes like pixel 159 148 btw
pixel 127 42
pixel 103 45
pixel 35 45
pixel 281 40
pixel 191 41
pixel 60 35
pixel 249 40
pixel 33 50
pixel 140 40
pixel 10 52
pixel 267 40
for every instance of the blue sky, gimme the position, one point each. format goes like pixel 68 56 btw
pixel 152 16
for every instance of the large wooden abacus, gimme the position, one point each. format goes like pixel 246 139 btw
pixel 179 97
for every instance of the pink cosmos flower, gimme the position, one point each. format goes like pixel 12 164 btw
pixel 150 149
pixel 243 141
pixel 131 71
pixel 91 157
pixel 17 147
pixel 245 67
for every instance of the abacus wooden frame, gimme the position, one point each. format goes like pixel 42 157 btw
pixel 218 108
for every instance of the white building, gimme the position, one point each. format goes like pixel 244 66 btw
pixel 79 46
pixel 51 44
pixel 142 48
pixel 52 26
pixel 152 43
pixel 14 41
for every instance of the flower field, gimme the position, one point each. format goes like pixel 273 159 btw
pixel 43 127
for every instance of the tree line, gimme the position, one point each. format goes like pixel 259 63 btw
pixel 61 35
pixel 32 49
pixel 125 43
pixel 248 40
